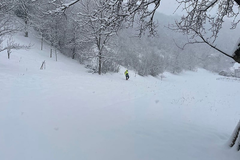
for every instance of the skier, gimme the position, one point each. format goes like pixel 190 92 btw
pixel 126 74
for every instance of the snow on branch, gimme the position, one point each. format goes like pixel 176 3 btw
pixel 64 6
pixel 11 45
pixel 120 11
pixel 208 5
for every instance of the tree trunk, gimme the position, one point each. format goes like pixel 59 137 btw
pixel 51 53
pixel 8 52
pixel 99 63
pixel 73 53
pixel 42 42
pixel 235 138
pixel 26 28
pixel 51 50
pixel 56 54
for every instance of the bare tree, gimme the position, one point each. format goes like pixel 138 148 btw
pixel 127 11
pixel 8 26
pixel 193 22
pixel 25 9
pixel 50 26
pixel 11 45
pixel 98 24
pixel 75 40
pixel 203 25
pixel 7 18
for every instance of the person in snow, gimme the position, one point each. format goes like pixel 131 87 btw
pixel 126 74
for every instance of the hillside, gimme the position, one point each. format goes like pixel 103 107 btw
pixel 65 113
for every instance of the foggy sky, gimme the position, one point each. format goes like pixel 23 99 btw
pixel 168 7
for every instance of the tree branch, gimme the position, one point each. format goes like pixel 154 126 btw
pixel 214 47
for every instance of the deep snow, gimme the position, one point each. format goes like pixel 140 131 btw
pixel 66 113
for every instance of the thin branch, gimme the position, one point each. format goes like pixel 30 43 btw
pixel 188 43
pixel 214 47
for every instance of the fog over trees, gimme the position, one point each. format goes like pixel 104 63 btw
pixel 104 35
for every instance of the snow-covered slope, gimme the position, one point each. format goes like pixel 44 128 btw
pixel 65 113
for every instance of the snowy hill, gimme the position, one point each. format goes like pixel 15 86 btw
pixel 66 113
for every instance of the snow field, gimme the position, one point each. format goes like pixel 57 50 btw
pixel 65 113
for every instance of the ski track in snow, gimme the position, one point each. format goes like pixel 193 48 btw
pixel 65 113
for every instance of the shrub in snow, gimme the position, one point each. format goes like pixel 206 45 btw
pixel 226 74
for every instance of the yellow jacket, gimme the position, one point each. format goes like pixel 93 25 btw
pixel 126 72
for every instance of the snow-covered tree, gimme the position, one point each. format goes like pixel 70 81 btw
pixel 127 11
pixel 8 26
pixel 6 18
pixel 97 21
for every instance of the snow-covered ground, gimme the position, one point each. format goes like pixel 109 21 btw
pixel 66 113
